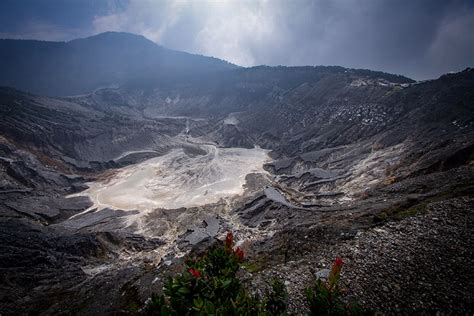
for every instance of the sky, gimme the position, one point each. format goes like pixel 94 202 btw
pixel 421 39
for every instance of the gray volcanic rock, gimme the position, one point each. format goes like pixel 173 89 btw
pixel 46 270
pixel 422 263
pixel 79 136
pixel 208 230
pixel 350 150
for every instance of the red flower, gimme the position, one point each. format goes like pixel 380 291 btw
pixel 335 272
pixel 195 273
pixel 337 266
pixel 229 240
pixel 239 253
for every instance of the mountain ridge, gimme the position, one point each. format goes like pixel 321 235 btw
pixel 82 65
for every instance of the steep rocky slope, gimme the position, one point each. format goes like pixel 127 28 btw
pixel 350 150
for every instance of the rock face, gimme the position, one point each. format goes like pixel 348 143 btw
pixel 350 150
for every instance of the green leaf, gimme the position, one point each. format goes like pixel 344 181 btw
pixel 183 291
pixel 198 303
pixel 209 307
pixel 226 283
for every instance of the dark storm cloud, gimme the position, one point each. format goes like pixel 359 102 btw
pixel 47 19
pixel 418 38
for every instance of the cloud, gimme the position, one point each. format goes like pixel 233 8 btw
pixel 237 32
pixel 147 17
pixel 44 30
pixel 246 32
pixel 418 38
pixel 453 47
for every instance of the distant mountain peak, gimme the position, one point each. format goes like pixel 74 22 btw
pixel 118 36
pixel 82 65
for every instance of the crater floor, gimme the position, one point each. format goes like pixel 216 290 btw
pixel 195 175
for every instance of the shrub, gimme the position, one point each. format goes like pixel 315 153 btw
pixel 325 297
pixel 209 286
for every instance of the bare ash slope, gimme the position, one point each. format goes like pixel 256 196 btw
pixel 366 165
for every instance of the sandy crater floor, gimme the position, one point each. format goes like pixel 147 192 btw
pixel 181 178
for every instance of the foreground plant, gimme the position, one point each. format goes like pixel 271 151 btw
pixel 325 297
pixel 209 286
